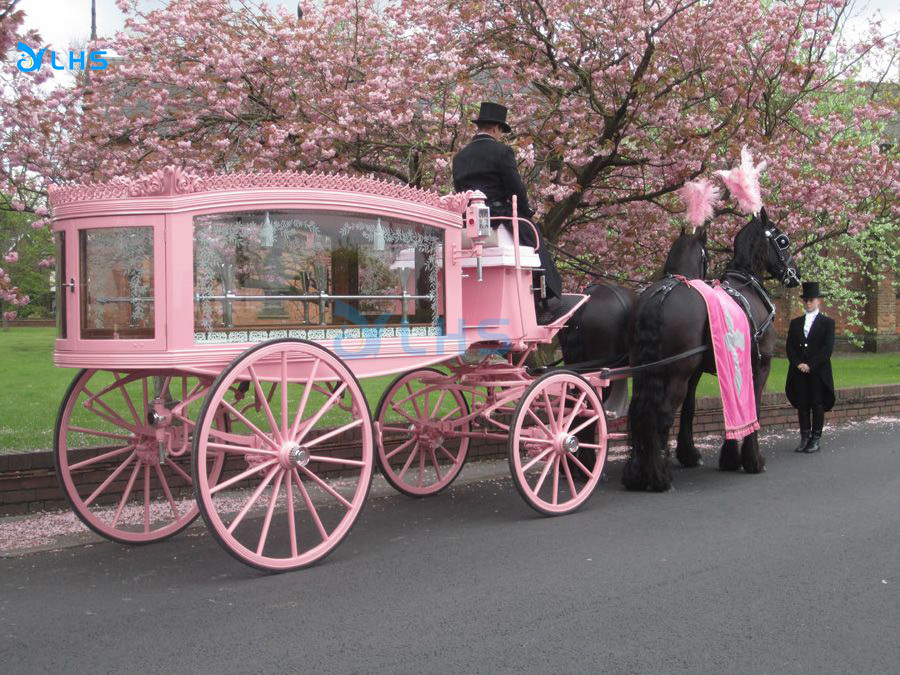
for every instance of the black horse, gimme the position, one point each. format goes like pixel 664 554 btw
pixel 670 319
pixel 599 330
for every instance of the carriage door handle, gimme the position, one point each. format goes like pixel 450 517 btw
pixel 70 285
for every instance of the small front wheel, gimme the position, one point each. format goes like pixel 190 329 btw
pixel 557 443
pixel 298 455
pixel 424 425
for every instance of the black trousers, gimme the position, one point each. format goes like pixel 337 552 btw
pixel 811 413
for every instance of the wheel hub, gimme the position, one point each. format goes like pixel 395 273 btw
pixel 570 444
pixel 147 450
pixel 298 455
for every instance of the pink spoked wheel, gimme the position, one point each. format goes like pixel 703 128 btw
pixel 422 446
pixel 557 443
pixel 122 451
pixel 298 455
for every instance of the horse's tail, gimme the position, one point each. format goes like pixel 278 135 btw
pixel 649 413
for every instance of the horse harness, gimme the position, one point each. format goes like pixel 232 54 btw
pixel 751 281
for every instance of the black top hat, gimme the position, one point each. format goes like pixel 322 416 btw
pixel 493 112
pixel 811 290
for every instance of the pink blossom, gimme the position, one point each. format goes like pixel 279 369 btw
pixel 11 257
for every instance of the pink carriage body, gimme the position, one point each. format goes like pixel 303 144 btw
pixel 166 207
pixel 223 321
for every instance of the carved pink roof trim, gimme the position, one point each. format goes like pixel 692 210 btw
pixel 172 180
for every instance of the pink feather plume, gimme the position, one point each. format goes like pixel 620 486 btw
pixel 743 183
pixel 701 198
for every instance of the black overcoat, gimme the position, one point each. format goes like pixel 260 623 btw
pixel 815 351
pixel 488 165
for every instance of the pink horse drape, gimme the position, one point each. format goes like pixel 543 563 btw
pixel 731 346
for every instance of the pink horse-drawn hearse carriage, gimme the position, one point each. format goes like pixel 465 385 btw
pixel 221 324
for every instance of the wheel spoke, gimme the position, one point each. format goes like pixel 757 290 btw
pixel 568 472
pixel 292 521
pixel 251 500
pixel 421 468
pixel 404 415
pixel 100 458
pixel 548 407
pixel 256 431
pixel 181 472
pixel 412 399
pixel 537 459
pixel 543 476
pixel 333 433
pixel 543 426
pixel 452 412
pixel 126 493
pixel 264 533
pixel 409 460
pixel 284 399
pixel 137 419
pixel 584 424
pixel 321 411
pixel 241 449
pixel 325 459
pixel 97 432
pixel 325 486
pixel 434 463
pixel 555 480
pixel 437 406
pixel 146 497
pixel 310 506
pixel 168 492
pixel 582 467
pixel 561 413
pixel 307 390
pixel 449 454
pixel 115 474
pixel 113 417
pixel 399 448
pixel 241 476
pixel 575 409
pixel 264 404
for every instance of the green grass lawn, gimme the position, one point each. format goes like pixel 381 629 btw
pixel 32 387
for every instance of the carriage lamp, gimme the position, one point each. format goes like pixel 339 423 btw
pixel 478 226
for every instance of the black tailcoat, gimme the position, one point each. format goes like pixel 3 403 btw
pixel 815 351
pixel 488 165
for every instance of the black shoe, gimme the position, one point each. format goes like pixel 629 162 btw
pixel 813 444
pixel 804 440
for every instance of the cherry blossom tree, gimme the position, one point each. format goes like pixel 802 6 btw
pixel 615 105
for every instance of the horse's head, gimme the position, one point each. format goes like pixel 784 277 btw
pixel 779 262
pixel 688 257
pixel 761 247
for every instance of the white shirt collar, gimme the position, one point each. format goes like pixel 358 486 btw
pixel 808 321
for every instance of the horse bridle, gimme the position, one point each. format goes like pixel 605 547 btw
pixel 780 243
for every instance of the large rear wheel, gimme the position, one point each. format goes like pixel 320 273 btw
pixel 122 451
pixel 298 455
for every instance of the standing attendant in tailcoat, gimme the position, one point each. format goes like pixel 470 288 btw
pixel 488 165
pixel 810 385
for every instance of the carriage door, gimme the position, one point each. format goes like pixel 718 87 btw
pixel 114 269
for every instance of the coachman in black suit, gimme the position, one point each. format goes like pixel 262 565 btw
pixel 488 165
pixel 810 384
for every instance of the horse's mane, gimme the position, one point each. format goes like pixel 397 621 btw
pixel 749 249
pixel 675 258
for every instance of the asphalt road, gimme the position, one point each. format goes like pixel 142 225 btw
pixel 793 571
